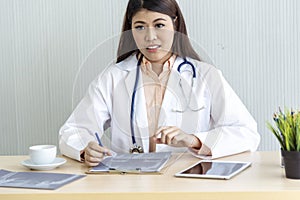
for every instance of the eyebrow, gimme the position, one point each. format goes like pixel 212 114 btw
pixel 142 22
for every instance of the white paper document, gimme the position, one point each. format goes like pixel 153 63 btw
pixel 133 163
pixel 36 180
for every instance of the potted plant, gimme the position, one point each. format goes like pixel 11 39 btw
pixel 287 132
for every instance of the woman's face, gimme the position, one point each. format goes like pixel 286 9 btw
pixel 153 33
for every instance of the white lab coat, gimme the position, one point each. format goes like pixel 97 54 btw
pixel 223 124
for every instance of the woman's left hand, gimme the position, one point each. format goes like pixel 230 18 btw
pixel 173 136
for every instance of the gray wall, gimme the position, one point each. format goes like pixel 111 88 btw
pixel 51 49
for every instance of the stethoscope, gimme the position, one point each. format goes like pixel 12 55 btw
pixel 137 148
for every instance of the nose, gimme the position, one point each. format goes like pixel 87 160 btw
pixel 151 34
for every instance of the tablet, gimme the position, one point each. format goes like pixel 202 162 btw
pixel 214 169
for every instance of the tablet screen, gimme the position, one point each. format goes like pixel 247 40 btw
pixel 214 169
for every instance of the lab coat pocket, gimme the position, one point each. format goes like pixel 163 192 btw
pixel 197 113
pixel 191 122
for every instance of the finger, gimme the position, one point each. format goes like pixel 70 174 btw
pixel 186 140
pixel 163 128
pixel 163 131
pixel 108 153
pixel 92 159
pixel 95 154
pixel 163 136
pixel 158 141
pixel 158 132
pixel 172 138
pixel 168 134
pixel 91 164
pixel 159 135
pixel 178 139
pixel 95 147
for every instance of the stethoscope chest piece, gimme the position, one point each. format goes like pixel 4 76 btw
pixel 136 149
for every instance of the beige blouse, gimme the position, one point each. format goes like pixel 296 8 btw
pixel 154 87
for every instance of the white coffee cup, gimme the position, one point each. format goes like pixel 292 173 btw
pixel 42 154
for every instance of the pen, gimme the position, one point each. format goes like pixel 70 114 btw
pixel 100 143
pixel 98 138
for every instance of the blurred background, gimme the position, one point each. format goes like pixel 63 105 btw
pixel 50 50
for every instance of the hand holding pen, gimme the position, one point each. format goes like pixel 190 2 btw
pixel 95 152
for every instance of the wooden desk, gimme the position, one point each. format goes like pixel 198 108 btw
pixel 265 179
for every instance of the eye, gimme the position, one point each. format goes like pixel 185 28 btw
pixel 160 25
pixel 139 27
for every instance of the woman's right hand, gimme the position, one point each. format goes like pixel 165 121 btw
pixel 94 154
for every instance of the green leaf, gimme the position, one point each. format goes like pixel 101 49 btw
pixel 277 135
pixel 287 129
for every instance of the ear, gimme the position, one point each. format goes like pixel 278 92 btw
pixel 175 19
pixel 175 23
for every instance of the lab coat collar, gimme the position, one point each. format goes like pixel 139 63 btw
pixel 128 64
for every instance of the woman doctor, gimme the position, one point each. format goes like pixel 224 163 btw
pixel 158 96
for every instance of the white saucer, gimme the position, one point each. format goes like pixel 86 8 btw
pixel 57 162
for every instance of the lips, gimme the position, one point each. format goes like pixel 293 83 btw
pixel 153 48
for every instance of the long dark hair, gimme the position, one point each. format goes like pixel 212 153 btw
pixel 181 44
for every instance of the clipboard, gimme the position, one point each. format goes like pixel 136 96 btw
pixel 126 163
